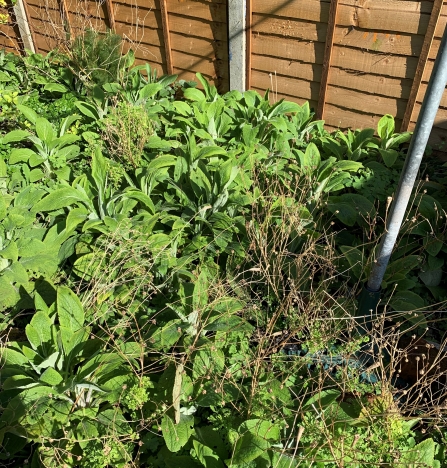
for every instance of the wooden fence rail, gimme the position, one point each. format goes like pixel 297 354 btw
pixel 353 60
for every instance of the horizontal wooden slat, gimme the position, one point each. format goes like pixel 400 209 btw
pixel 292 49
pixel 140 16
pixel 421 94
pixel 198 9
pixel 196 64
pixel 275 97
pixel 398 44
pixel 424 6
pixel 289 86
pixel 198 46
pixel 151 54
pixel 197 27
pixel 440 119
pixel 308 72
pixel 370 62
pixel 140 33
pixel 367 103
pixel 373 84
pixel 8 36
pixel 308 10
pixel 376 19
pixel 289 28
pixel 145 4
pixel 437 139
pixel 44 43
pixel 342 118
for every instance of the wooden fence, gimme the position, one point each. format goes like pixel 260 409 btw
pixel 353 60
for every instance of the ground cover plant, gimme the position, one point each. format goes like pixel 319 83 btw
pixel 179 273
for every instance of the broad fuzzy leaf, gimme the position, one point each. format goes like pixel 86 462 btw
pixel 69 309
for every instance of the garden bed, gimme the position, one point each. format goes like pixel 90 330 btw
pixel 179 272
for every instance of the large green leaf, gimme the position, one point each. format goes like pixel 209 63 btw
pixel 15 135
pixel 354 258
pixel 207 456
pixel 69 309
pixel 61 198
pixel 44 130
pixel 38 331
pixel 422 454
pixel 177 435
pixel 248 448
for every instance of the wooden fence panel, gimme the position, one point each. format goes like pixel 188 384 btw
pixel 378 59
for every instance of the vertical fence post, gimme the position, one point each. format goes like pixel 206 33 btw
pixel 332 21
pixel 249 41
pixel 422 63
pixel 166 36
pixel 65 17
pixel 26 32
pixel 237 44
pixel 110 15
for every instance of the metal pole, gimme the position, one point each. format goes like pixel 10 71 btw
pixel 432 99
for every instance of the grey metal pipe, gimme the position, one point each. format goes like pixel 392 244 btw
pixel 432 99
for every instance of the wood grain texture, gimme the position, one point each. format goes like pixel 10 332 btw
pixel 339 117
pixel 440 119
pixel 275 97
pixel 377 19
pixel 293 50
pixel 303 89
pixel 197 27
pixel 397 44
pixel 371 84
pixel 328 48
pixel 287 68
pixel 424 6
pixel 140 34
pixel 421 94
pixel 289 28
pixel 209 11
pixel 110 14
pixel 199 46
pixel 422 63
pixel 309 10
pixel 138 16
pixel 365 103
pixel 373 62
pixel 166 36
